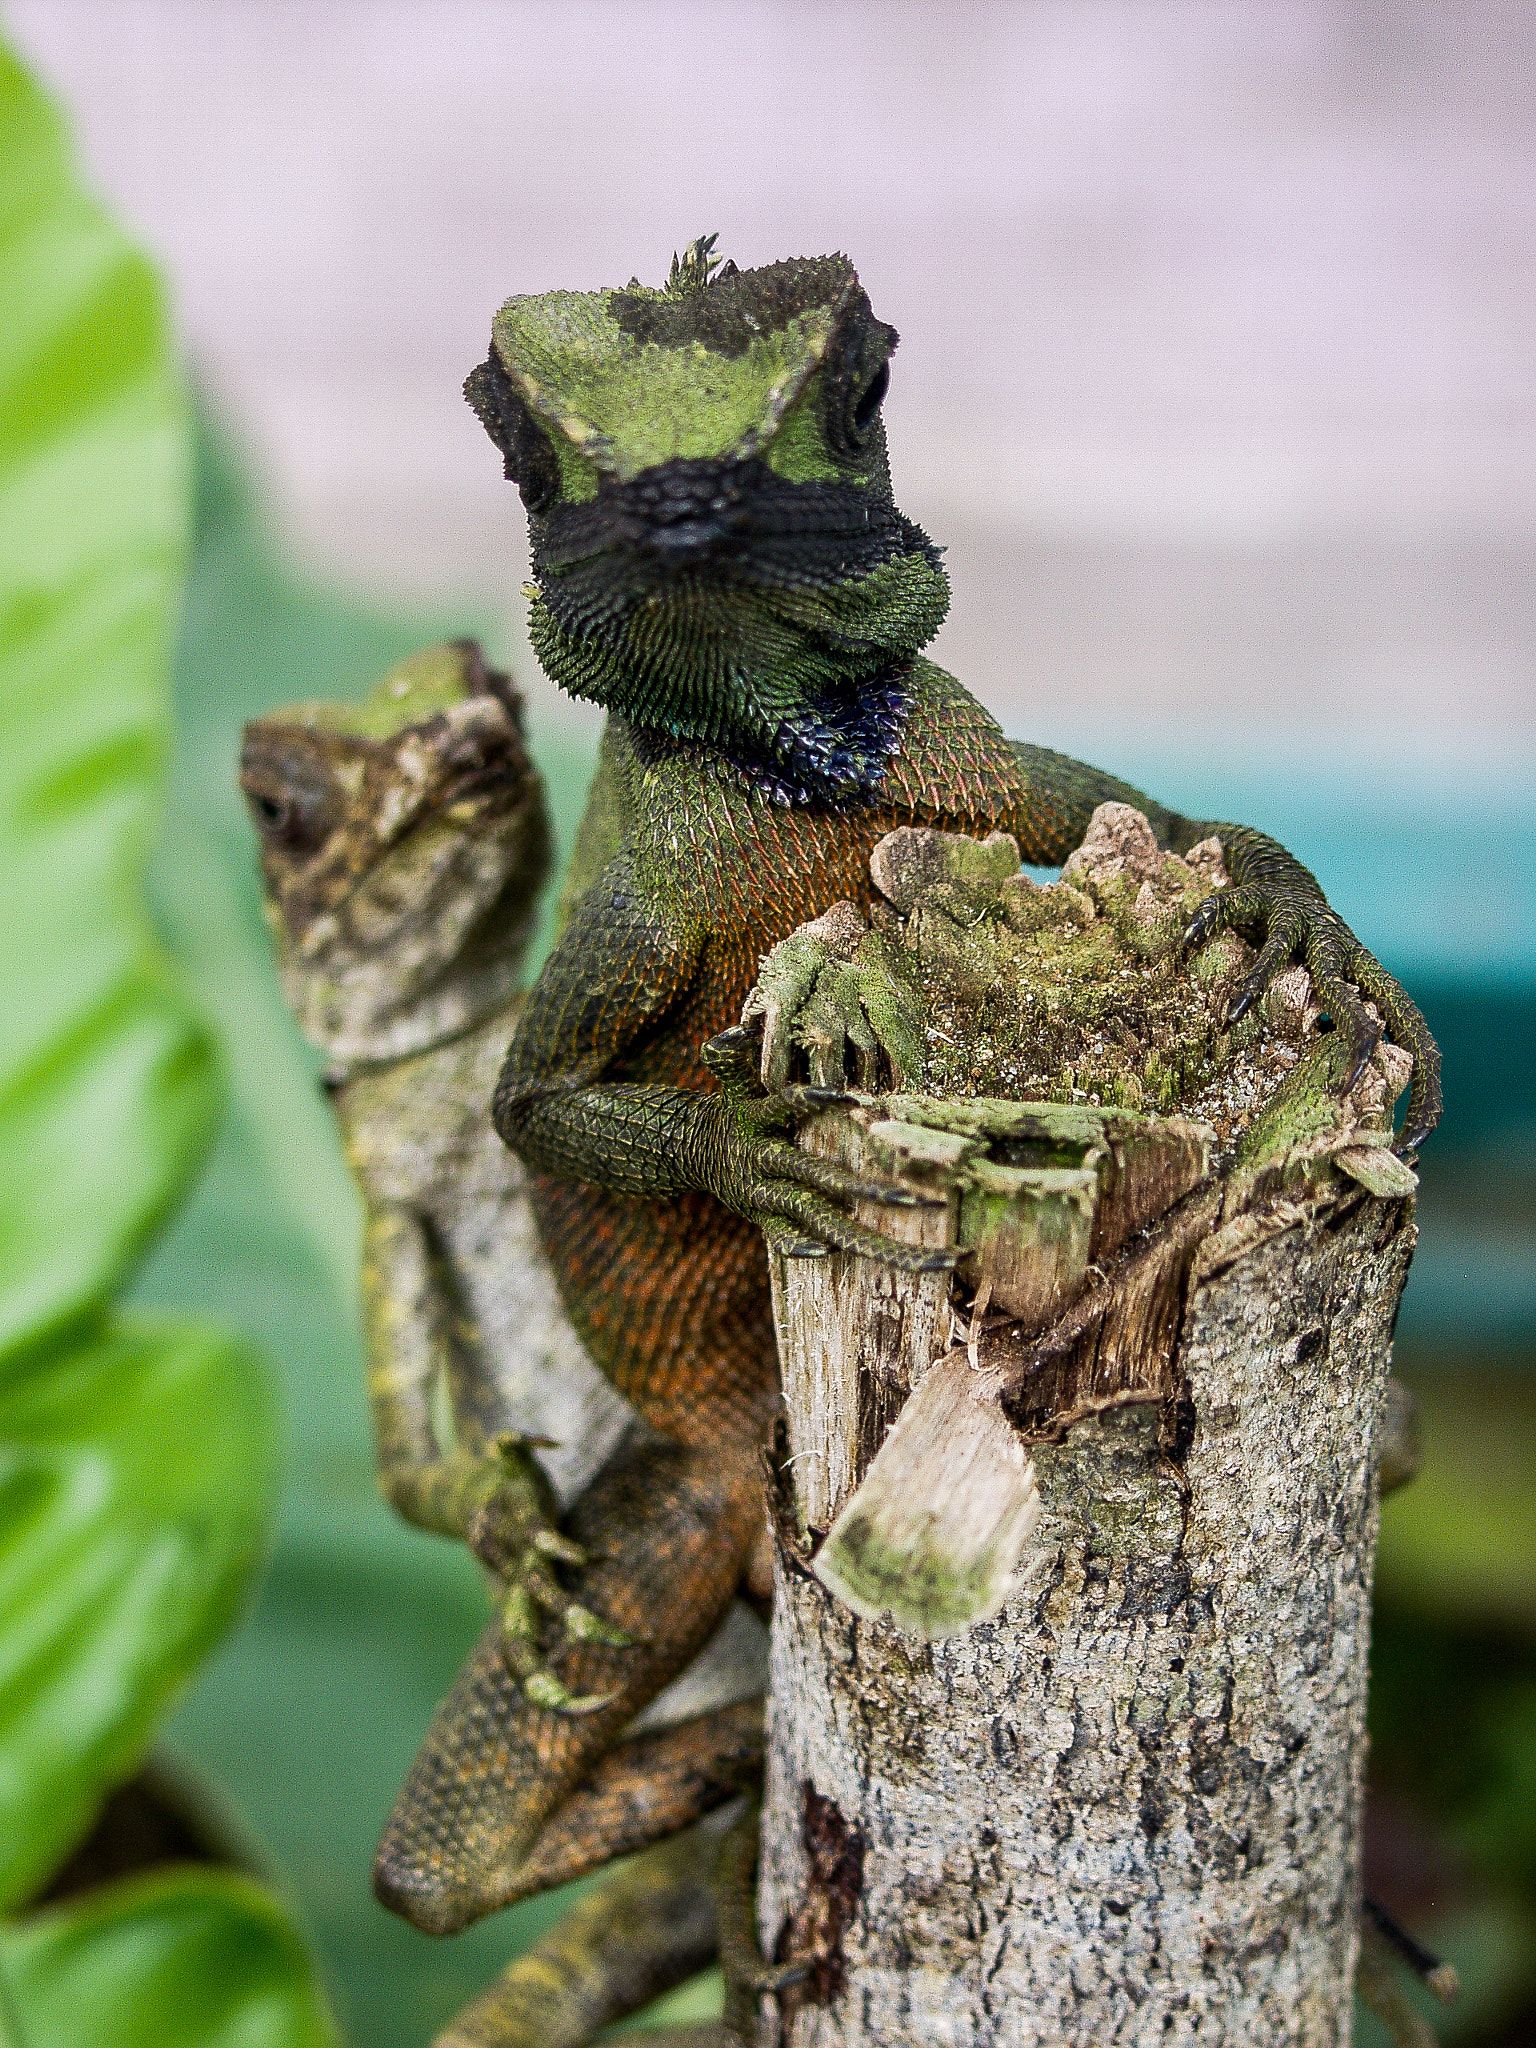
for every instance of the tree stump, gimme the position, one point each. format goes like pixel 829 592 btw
pixel 1074 1554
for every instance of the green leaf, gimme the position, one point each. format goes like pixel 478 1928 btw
pixel 136 1480
pixel 137 1460
pixel 184 1958
pixel 106 1085
pixel 137 1457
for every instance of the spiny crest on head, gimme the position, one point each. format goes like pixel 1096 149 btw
pixel 691 271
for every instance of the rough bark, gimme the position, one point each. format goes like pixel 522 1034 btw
pixel 1124 1805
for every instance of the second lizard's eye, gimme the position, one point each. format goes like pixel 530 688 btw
pixel 288 812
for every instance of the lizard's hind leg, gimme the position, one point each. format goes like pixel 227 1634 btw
pixel 666 1531
pixel 646 1788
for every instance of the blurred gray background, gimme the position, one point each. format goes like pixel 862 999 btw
pixel 1215 377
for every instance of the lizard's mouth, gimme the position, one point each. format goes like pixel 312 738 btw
pixel 733 524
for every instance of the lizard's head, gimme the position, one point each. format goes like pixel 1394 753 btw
pixel 404 840
pixel 716 552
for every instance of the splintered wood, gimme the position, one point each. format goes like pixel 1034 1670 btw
pixel 1074 1549
pixel 927 1523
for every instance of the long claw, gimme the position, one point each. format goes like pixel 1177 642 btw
pixel 1365 1046
pixel 538 1682
pixel 560 1548
pixel 868 1244
pixel 511 1444
pixel 780 1976
pixel 734 1042
pixel 827 1179
pixel 804 1096
pixel 519 1617
pixel 545 1690
pixel 1414 1132
pixel 733 1057
pixel 1349 1019
pixel 1228 910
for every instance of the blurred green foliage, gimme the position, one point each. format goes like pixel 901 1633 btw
pixel 137 1458
pixel 186 1957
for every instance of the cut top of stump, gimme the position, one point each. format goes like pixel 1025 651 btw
pixel 1085 1126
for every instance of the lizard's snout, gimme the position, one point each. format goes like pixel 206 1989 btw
pixel 682 510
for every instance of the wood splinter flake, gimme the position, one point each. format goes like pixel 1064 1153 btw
pixel 934 1536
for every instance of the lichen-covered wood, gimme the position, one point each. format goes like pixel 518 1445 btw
pixel 1123 1805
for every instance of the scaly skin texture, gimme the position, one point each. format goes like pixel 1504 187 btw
pixel 404 843
pixel 648 1928
pixel 718 560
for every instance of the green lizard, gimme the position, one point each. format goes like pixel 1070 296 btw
pixel 718 561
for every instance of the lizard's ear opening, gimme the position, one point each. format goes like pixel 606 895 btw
pixel 870 399
pixel 527 458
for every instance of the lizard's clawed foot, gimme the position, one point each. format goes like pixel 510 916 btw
pixel 505 1797
pixel 512 1531
pixel 837 992
pixel 1289 919
pixel 797 1201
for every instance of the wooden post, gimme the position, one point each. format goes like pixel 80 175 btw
pixel 1068 1668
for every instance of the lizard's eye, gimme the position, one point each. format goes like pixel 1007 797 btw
pixel 298 820
pixel 868 402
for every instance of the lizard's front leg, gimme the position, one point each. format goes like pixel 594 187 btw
pixel 498 1501
pixel 1277 903
pixel 561 1105
pixel 842 994
pixel 1273 900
